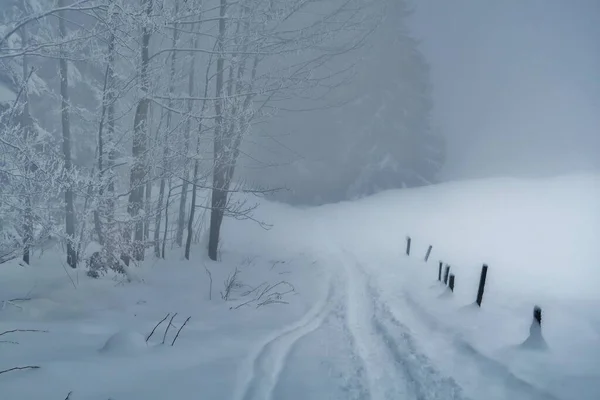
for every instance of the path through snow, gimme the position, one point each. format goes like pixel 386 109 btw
pixel 349 346
pixel 357 344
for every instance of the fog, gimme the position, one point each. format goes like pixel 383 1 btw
pixel 516 84
pixel 513 86
pixel 333 100
pixel 278 173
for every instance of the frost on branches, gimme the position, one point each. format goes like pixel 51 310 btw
pixel 124 122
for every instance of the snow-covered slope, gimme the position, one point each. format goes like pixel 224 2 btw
pixel 348 314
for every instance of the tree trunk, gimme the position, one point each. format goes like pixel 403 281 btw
pixel 158 218
pixel 110 231
pixel 98 211
pixel 186 174
pixel 27 230
pixel 161 195
pixel 109 212
pixel 136 197
pixel 190 225
pixel 164 243
pixel 219 194
pixel 66 131
pixel 147 212
pixel 26 124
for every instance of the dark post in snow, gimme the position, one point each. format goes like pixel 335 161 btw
pixel 428 253
pixel 481 284
pixel 451 283
pixel 446 274
pixel 440 272
pixel 535 339
pixel 408 245
pixel 537 315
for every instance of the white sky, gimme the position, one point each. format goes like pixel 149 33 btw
pixel 517 83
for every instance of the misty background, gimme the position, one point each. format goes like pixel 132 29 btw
pixel 345 99
pixel 516 84
pixel 514 92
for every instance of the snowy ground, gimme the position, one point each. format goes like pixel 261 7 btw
pixel 363 321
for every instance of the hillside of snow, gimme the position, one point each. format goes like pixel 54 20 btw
pixel 326 305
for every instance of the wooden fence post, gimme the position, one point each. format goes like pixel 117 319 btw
pixel 440 272
pixel 451 283
pixel 481 284
pixel 537 315
pixel 408 245
pixel 446 274
pixel 428 253
pixel 536 339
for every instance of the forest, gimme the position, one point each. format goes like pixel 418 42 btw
pixel 141 126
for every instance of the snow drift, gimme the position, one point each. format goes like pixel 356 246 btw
pixel 343 262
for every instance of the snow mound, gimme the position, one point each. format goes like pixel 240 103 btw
pixel 124 343
pixel 535 341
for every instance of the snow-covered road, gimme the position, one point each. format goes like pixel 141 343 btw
pixel 363 320
pixel 349 346
pixel 364 335
pixel 355 344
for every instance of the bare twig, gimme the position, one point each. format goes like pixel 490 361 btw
pixel 20 299
pixel 242 304
pixel 270 301
pixel 211 281
pixel 231 283
pixel 21 330
pixel 19 368
pixel 177 335
pixel 168 326
pixel 157 325
pixel 67 272
pixel 10 303
pixel 256 289
pixel 266 295
pixel 274 263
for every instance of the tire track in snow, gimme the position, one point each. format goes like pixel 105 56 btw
pixel 358 375
pixel 383 380
pixel 395 369
pixel 426 381
pixel 324 364
pixel 269 360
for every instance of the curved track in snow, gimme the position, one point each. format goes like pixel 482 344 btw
pixel 384 363
pixel 271 357
pixel 399 370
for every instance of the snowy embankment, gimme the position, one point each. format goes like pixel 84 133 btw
pixel 540 239
pixel 361 321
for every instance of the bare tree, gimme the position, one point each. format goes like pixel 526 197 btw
pixel 66 132
pixel 219 193
pixel 187 133
pixel 27 126
pixel 256 53
pixel 143 61
pixel 136 197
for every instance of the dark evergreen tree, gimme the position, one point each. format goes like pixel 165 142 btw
pixel 394 144
pixel 377 136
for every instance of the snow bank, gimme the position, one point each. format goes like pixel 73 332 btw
pixel 95 340
pixel 538 237
pixel 124 343
pixel 540 241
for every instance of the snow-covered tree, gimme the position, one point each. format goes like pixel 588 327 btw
pixel 153 100
pixel 268 51
pixel 394 144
